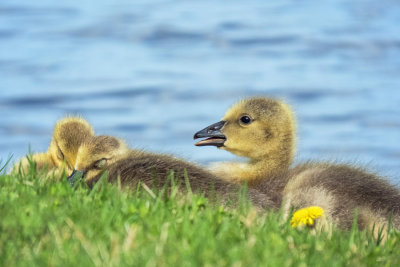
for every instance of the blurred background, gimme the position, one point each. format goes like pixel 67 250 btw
pixel 154 72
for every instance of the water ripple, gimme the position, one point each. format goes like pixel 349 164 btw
pixel 36 11
pixel 161 35
pixel 265 41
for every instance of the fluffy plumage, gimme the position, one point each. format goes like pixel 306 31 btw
pixel 108 154
pixel 68 134
pixel 263 130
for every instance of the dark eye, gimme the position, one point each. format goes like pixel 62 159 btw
pixel 245 119
pixel 100 164
pixel 60 155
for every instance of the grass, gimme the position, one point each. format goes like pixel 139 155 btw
pixel 47 223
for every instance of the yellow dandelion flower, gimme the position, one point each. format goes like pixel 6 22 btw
pixel 306 216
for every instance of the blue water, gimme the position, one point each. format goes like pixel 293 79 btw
pixel 154 72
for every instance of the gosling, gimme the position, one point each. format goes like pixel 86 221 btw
pixel 107 154
pixel 68 134
pixel 263 130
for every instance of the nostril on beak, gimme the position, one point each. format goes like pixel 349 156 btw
pixel 211 131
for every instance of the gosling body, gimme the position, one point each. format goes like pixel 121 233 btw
pixel 108 154
pixel 263 130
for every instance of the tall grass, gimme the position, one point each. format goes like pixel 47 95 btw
pixel 47 223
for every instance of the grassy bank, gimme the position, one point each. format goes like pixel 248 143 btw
pixel 45 222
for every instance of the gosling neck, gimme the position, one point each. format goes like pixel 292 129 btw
pixel 268 167
pixel 277 159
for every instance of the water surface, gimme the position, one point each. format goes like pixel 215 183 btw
pixel 155 72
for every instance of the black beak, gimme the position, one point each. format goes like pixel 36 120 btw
pixel 75 177
pixel 214 134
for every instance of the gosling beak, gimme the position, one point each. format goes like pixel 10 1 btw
pixel 214 134
pixel 75 176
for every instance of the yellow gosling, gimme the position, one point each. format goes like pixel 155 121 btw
pixel 68 135
pixel 260 129
pixel 264 131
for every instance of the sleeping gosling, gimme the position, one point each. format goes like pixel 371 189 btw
pixel 110 155
pixel 68 134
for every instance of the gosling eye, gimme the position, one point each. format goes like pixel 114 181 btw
pixel 245 120
pixel 60 155
pixel 100 164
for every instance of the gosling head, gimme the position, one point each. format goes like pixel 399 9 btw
pixel 258 128
pixel 69 133
pixel 95 155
